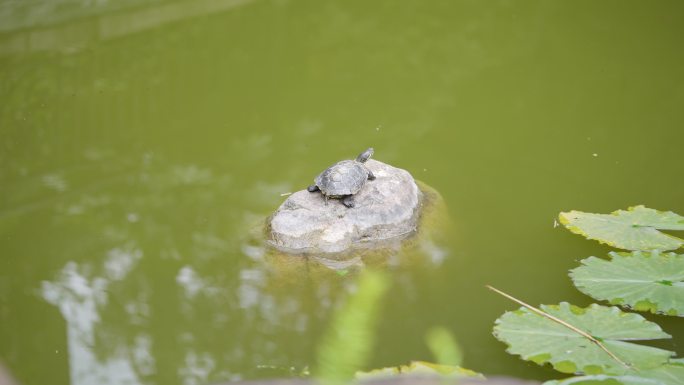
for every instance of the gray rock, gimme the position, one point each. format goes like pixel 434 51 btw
pixel 386 208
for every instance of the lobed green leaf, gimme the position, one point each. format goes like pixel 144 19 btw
pixel 642 281
pixel 537 338
pixel 668 374
pixel 634 229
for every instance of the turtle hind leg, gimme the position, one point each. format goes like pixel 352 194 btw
pixel 348 201
pixel 313 188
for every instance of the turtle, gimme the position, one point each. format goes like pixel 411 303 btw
pixel 344 179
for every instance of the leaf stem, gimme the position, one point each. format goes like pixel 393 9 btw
pixel 564 323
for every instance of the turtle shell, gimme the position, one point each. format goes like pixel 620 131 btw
pixel 343 178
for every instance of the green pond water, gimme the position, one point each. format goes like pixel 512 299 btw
pixel 142 143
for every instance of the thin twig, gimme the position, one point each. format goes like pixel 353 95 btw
pixel 560 321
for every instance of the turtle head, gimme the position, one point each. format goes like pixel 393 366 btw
pixel 364 156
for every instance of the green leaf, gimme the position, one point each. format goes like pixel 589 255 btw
pixel 421 368
pixel 634 229
pixel 602 379
pixel 443 346
pixel 669 374
pixel 541 340
pixel 643 281
pixel 348 341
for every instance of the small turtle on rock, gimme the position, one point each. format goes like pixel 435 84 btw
pixel 344 179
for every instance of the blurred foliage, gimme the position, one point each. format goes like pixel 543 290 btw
pixel 349 340
pixel 443 346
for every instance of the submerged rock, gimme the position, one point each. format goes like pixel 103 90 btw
pixel 386 209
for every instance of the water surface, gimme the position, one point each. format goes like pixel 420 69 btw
pixel 143 142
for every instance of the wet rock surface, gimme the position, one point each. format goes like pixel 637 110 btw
pixel 386 208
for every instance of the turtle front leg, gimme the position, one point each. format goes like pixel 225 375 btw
pixel 313 188
pixel 370 175
pixel 348 201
